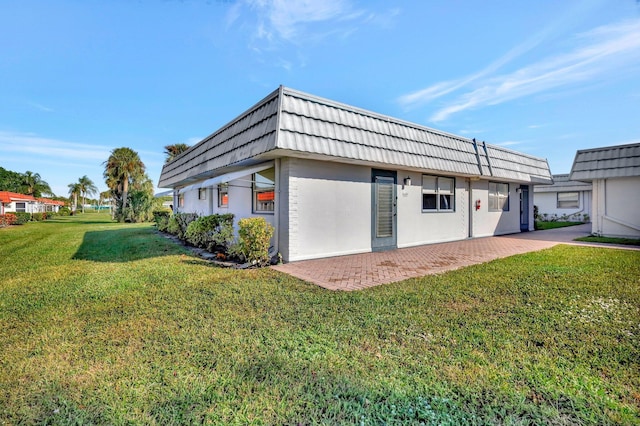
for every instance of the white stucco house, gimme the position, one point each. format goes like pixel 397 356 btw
pixel 12 202
pixel 565 198
pixel 334 179
pixel 614 173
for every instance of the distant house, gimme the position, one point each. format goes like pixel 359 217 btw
pixel 334 179
pixel 12 202
pixel 564 199
pixel 614 173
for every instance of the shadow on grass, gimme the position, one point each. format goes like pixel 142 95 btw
pixel 124 245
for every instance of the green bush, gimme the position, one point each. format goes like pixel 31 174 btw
pixel 161 218
pixel 254 239
pixel 22 218
pixel 64 211
pixel 38 217
pixel 172 225
pixel 214 232
pixel 178 223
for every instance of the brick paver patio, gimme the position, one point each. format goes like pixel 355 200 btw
pixel 359 271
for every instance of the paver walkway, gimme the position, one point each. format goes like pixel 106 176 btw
pixel 358 271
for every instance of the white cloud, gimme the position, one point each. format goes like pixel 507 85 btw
pixel 600 52
pixel 286 17
pixel 60 162
pixel 508 143
pixel 294 22
pixel 34 145
pixel 443 88
pixel 40 107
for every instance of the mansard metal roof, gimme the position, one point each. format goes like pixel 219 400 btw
pixel 562 183
pixel 606 162
pixel 292 123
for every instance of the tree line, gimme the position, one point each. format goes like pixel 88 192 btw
pixel 130 189
pixel 27 183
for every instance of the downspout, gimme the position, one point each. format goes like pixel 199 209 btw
pixel 175 201
pixel 471 207
pixel 276 213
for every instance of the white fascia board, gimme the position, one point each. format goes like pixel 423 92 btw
pixel 228 177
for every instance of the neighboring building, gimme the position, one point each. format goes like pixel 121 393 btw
pixel 564 199
pixel 334 179
pixel 11 202
pixel 614 173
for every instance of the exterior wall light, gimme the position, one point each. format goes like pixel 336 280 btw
pixel 406 182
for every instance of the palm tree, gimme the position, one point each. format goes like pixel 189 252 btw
pixel 86 187
pixel 123 167
pixel 172 151
pixel 74 192
pixel 33 184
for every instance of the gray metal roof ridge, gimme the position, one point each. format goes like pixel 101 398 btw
pixel 607 148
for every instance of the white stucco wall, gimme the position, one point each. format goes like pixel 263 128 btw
pixel 324 209
pixel 547 202
pixel 30 207
pixel 192 204
pixel 616 207
pixel 329 209
pixel 416 227
pixel 486 223
pixel 240 201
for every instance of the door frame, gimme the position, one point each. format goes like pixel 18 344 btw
pixel 389 242
pixel 524 208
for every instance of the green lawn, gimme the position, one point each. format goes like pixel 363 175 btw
pixel 112 324
pixel 541 225
pixel 610 240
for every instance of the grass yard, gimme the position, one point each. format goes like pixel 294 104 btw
pixel 542 225
pixel 104 323
pixel 610 240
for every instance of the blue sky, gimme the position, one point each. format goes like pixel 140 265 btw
pixel 79 78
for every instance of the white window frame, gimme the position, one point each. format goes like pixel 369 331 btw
pixel 568 203
pixel 499 197
pixel 260 186
pixel 22 209
pixel 445 197
pixel 181 200
pixel 202 193
pixel 223 189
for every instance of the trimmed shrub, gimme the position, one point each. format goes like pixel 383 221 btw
pixel 178 223
pixel 38 217
pixel 64 211
pixel 22 218
pixel 172 225
pixel 7 219
pixel 161 218
pixel 214 232
pixel 254 239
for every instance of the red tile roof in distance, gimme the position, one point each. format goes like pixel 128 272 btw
pixel 8 197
